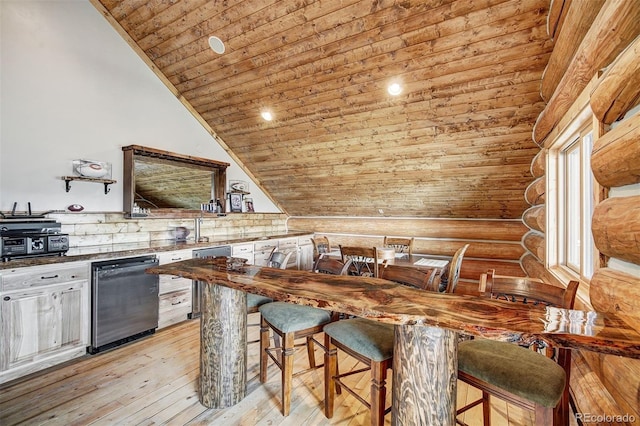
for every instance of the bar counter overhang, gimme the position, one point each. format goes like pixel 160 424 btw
pixel 427 327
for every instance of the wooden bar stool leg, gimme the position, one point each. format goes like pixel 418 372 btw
pixel 486 409
pixel 378 392
pixel 311 352
pixel 330 370
pixel 264 345
pixel 287 371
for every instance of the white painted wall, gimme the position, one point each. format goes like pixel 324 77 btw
pixel 71 88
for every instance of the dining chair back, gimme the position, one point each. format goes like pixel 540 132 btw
pixel 399 244
pixel 449 283
pixel 364 260
pixel 411 277
pixel 330 265
pixel 321 245
pixel 371 343
pixel 519 375
pixel 278 259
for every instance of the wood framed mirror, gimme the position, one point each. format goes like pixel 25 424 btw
pixel 165 182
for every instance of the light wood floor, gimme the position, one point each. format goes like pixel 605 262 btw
pixel 153 381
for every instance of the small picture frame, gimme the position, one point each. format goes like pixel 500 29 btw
pixel 248 203
pixel 235 201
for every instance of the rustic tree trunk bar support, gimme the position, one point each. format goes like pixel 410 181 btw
pixel 223 374
pixel 427 323
pixel 432 353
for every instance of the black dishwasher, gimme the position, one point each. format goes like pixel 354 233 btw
pixel 124 301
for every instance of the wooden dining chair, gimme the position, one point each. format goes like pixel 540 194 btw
pixel 449 282
pixel 519 375
pixel 330 265
pixel 364 260
pixel 371 343
pixel 321 245
pixel 290 322
pixel 399 244
pixel 279 259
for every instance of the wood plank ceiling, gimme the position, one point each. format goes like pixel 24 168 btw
pixel 455 143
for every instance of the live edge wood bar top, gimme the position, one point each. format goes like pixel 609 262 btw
pixel 389 302
pixel 425 362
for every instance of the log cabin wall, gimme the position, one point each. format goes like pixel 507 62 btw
pixel 590 37
pixel 493 243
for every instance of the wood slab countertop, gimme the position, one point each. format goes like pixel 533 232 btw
pixel 396 304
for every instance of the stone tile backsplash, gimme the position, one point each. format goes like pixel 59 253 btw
pixel 92 229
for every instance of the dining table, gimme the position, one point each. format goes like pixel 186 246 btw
pixel 427 326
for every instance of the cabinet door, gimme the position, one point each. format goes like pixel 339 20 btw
pixel 305 257
pixel 40 322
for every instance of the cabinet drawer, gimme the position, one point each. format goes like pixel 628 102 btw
pixel 287 244
pixel 174 307
pixel 169 283
pixel 265 245
pixel 37 276
pixel 242 249
pixel 302 241
pixel 174 256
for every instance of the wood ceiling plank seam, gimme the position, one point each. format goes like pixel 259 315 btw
pixel 450 120
pixel 364 46
pixel 225 24
pixel 131 13
pixel 338 93
pixel 445 134
pixel 331 149
pixel 160 19
pixel 326 119
pixel 408 52
pixel 245 43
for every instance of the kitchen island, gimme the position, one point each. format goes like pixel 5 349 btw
pixel 427 327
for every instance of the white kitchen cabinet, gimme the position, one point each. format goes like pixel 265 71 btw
pixel 262 251
pixel 44 317
pixel 243 251
pixel 174 300
pixel 305 253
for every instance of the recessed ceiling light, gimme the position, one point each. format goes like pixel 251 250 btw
pixel 216 45
pixel 267 115
pixel 394 89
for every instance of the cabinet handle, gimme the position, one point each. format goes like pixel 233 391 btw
pixel 177 258
pixel 49 277
pixel 176 303
pixel 6 298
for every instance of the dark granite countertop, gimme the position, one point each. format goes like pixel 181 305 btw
pixel 112 251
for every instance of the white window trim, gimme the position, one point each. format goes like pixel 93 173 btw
pixel 553 228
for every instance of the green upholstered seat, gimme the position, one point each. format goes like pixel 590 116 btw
pixel 254 300
pixel 513 368
pixel 367 337
pixel 288 317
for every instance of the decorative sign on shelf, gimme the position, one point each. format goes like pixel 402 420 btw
pixel 239 186
pixel 92 169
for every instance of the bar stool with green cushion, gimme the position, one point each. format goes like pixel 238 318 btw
pixel 521 376
pixel 289 322
pixel 371 343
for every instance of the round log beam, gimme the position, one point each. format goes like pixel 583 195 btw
pixel 534 242
pixel 539 164
pixel 618 89
pixel 615 291
pixel 616 228
pixel 534 217
pixel 613 29
pixel 615 159
pixel 535 192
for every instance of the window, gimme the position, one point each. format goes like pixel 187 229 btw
pixel 571 199
pixel 576 205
